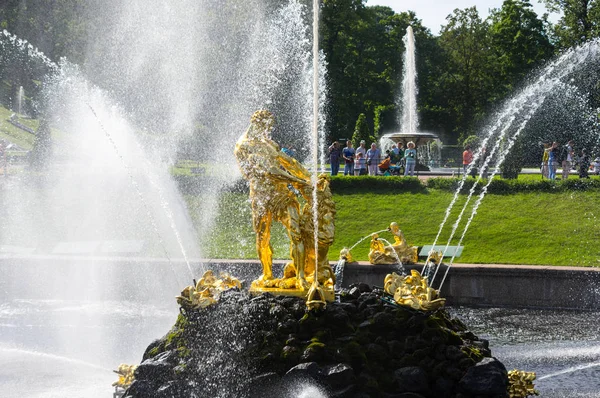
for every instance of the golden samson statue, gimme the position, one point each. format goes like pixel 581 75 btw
pixel 276 182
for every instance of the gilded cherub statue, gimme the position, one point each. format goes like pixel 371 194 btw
pixel 408 254
pixel 399 250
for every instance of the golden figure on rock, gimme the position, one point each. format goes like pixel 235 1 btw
pixel 520 384
pixel 325 233
pixel 126 376
pixel 413 291
pixel 380 253
pixel 206 292
pixel 276 180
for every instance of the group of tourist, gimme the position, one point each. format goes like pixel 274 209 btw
pixel 566 156
pixel 363 161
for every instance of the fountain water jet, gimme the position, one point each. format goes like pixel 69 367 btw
pixel 409 121
pixel 526 103
pixel 408 118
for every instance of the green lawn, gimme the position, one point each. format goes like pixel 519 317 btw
pixel 524 228
pixel 17 136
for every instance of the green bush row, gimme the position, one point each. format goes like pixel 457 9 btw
pixel 506 186
pixel 363 184
pixel 341 185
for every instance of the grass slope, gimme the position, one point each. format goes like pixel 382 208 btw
pixel 524 228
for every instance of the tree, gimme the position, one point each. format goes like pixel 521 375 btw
pixel 339 19
pixel 467 79
pixel 513 163
pixel 385 120
pixel 363 47
pixel 519 42
pixel 579 23
pixel 361 131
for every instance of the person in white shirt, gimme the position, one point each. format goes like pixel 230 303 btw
pixel 567 161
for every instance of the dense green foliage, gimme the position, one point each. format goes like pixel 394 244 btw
pixel 580 21
pixel 471 66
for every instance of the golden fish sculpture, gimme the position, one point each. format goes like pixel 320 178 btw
pixel 413 291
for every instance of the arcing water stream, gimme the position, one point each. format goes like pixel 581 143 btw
pixel 525 104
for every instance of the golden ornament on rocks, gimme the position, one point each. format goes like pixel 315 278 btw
pixel 413 291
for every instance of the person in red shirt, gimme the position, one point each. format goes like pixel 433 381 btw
pixel 467 158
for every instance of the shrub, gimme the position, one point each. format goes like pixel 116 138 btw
pixel 500 186
pixel 361 131
pixel 513 164
pixel 354 184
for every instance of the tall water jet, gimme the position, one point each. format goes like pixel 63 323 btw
pixel 409 121
pixel 20 98
pixel 408 118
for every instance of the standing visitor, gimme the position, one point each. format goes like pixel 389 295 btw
pixel 348 155
pixel 553 160
pixel 410 159
pixel 584 164
pixel 545 159
pixel 334 157
pixel 400 154
pixel 360 165
pixel 362 149
pixel 394 154
pixel 596 166
pixel 567 159
pixel 373 159
pixel 467 158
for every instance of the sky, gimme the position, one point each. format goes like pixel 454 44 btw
pixel 433 13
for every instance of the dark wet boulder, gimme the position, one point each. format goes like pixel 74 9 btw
pixel 488 378
pixel 412 379
pixel 338 376
pixel 157 369
pixel 306 370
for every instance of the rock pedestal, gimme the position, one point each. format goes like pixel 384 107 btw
pixel 266 346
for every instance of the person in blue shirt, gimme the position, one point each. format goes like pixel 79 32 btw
pixel 348 155
pixel 410 157
pixel 553 160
